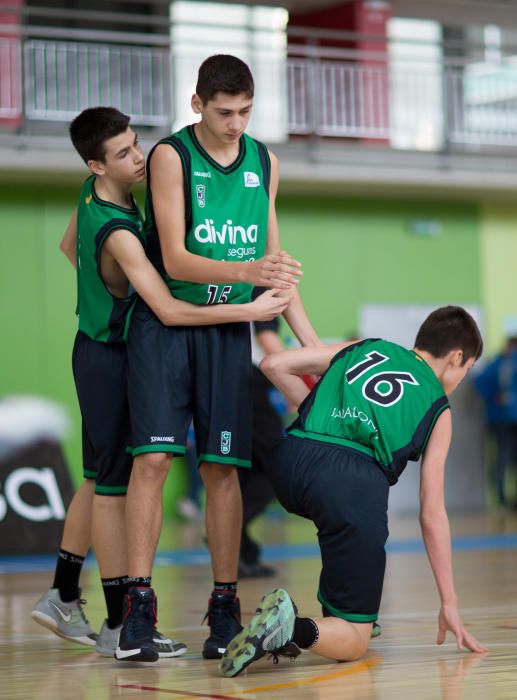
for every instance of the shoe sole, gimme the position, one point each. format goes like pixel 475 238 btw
pixel 217 653
pixel 145 654
pixel 51 624
pixel 248 645
pixel 172 654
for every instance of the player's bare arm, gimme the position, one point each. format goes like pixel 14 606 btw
pixel 128 252
pixel 436 533
pixel 69 241
pixel 277 270
pixel 295 314
pixel 284 369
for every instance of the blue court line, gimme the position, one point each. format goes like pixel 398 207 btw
pixel 274 552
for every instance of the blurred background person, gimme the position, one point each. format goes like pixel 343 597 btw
pixel 497 384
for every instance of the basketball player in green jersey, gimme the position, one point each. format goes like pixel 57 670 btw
pixel 210 217
pixel 376 406
pixel 104 242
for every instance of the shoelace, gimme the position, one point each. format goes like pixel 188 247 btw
pixel 142 621
pixel 289 651
pixel 82 602
pixel 218 617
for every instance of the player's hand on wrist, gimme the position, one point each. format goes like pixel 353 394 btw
pixel 269 305
pixel 278 271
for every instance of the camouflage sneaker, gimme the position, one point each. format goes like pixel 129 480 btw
pixel 270 631
pixel 67 620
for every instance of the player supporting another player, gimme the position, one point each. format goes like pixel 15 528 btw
pixel 210 217
pixel 104 241
pixel 376 406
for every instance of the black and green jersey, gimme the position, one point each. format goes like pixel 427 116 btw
pixel 378 398
pixel 226 213
pixel 102 316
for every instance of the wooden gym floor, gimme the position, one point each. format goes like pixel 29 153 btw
pixel 404 663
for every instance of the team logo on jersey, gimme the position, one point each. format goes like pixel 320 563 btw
pixel 200 194
pixel 229 233
pixel 198 173
pixel 88 199
pixel 226 442
pixel 251 180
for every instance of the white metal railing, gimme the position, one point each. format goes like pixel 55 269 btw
pixel 408 105
pixel 420 106
pixel 62 78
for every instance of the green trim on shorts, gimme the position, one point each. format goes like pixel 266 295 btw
pixel 111 490
pixel 233 461
pixel 350 617
pixel 89 474
pixel 175 449
pixel 332 441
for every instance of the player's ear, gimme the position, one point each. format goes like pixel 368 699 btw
pixel 457 358
pixel 97 167
pixel 196 103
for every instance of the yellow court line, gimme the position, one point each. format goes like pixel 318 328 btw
pixel 360 667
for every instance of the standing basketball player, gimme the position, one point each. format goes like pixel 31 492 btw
pixel 210 218
pixel 104 242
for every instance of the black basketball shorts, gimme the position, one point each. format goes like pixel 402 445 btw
pixel 100 380
pixel 345 494
pixel 199 373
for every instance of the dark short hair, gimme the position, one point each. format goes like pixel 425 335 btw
pixel 93 127
pixel 450 328
pixel 223 73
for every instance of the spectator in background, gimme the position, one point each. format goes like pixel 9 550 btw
pixel 268 429
pixel 497 384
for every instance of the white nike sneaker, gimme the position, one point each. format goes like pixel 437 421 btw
pixel 67 620
pixel 108 641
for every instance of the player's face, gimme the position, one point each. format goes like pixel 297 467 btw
pixel 124 160
pixel 225 116
pixel 455 373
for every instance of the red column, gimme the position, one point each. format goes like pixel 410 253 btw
pixel 359 98
pixel 10 64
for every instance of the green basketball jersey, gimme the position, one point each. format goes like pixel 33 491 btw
pixel 102 316
pixel 378 398
pixel 226 213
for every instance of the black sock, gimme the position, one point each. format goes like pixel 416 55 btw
pixel 306 632
pixel 114 591
pixel 138 582
pixel 66 576
pixel 226 589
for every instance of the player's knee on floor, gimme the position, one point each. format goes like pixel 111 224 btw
pixel 356 645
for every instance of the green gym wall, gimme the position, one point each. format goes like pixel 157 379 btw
pixel 354 251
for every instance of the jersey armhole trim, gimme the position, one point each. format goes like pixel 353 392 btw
pixel 265 162
pixel 438 413
pixel 100 240
pixel 184 154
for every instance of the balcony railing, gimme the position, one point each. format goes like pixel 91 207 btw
pixel 400 104
pixel 54 80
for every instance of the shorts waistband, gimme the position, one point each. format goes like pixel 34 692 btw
pixel 336 441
